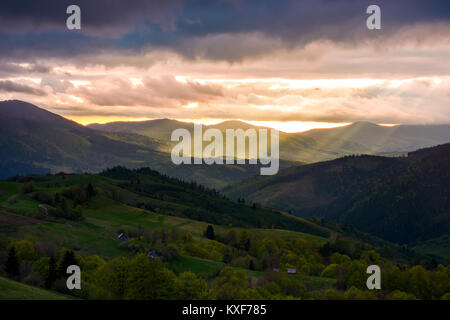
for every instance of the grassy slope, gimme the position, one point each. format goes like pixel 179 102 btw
pixel 12 290
pixel 439 247
pixel 174 199
pixel 104 217
pixel 205 267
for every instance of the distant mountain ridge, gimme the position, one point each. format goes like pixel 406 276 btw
pixel 43 140
pixel 158 128
pixel 313 145
pixel 400 138
pixel 33 140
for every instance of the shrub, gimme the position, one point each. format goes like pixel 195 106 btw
pixel 44 197
pixel 191 287
pixel 13 199
pixel 329 271
pixel 27 187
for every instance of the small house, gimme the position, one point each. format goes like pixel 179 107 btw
pixel 292 271
pixel 152 254
pixel 122 237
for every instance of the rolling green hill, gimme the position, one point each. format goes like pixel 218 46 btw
pixel 147 189
pixel 13 290
pixel 161 207
pixel 143 198
pixel 51 215
pixel 438 247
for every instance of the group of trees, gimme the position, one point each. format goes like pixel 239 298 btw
pixel 140 277
pixel 342 259
pixel 37 264
pixel 66 204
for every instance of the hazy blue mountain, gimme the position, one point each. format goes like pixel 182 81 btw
pixel 314 145
pixel 383 139
pixel 293 147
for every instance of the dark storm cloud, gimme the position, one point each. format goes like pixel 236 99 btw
pixel 10 86
pixel 199 28
pixel 97 14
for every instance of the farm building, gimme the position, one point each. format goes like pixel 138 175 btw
pixel 122 237
pixel 292 271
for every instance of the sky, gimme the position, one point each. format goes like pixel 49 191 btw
pixel 289 64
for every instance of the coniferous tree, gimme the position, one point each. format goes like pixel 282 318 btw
pixel 64 207
pixel 52 273
pixel 12 263
pixel 209 233
pixel 67 260
pixel 90 191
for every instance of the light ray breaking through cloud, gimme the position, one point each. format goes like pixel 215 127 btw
pixel 319 66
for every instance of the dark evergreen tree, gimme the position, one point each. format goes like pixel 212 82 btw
pixel 209 233
pixel 52 273
pixel 90 191
pixel 432 265
pixel 12 263
pixel 67 260
pixel 64 207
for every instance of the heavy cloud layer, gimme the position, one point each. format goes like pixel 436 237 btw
pixel 311 60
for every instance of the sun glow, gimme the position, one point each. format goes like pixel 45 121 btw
pixel 297 126
pixel 85 120
pixel 284 126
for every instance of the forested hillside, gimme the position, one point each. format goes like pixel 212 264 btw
pixel 402 199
